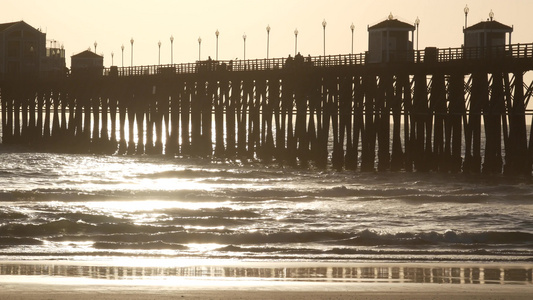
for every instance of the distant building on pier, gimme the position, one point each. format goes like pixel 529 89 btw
pixel 23 52
pixel 486 39
pixel 87 63
pixel 388 41
pixel 487 34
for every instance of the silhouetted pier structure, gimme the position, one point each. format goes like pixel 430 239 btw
pixel 422 110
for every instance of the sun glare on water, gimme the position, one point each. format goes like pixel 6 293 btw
pixel 137 206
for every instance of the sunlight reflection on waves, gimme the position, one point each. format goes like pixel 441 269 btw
pixel 149 205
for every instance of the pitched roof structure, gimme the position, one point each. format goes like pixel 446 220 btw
pixel 5 26
pixel 489 25
pixel 87 54
pixel 392 24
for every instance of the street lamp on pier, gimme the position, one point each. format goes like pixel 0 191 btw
pixel 199 48
pixel 159 57
pixel 216 34
pixel 244 39
pixel 171 49
pixel 295 41
pixel 352 27
pixel 324 23
pixel 466 10
pixel 131 41
pixel 268 38
pixel 417 23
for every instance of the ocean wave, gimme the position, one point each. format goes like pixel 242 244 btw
pixel 449 237
pixel 75 195
pixel 219 212
pixel 155 245
pixel 10 216
pixel 228 226
pixel 70 228
pixel 373 251
pixel 16 241
pixel 213 236
pixel 249 191
pixel 219 174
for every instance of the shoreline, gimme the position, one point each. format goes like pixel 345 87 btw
pixel 302 280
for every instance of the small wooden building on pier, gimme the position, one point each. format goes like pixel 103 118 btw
pixel 388 41
pixel 87 63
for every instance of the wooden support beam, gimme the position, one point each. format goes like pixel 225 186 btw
pixel 456 109
pixel 172 147
pixel 517 160
pixel 384 99
pixel 419 119
pixel 196 117
pixel 438 108
pixel 478 99
pixel 494 111
pixel 358 121
pixel 301 139
pixel 232 96
pixel 241 111
pixel 207 98
pixel 397 159
pixel 368 146
pixel 185 101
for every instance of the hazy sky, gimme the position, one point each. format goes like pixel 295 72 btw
pixel 78 24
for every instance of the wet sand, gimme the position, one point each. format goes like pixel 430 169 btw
pixel 12 291
pixel 17 282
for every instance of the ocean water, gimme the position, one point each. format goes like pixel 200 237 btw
pixel 71 207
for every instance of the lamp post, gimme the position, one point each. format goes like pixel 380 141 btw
pixel 216 34
pixel 171 49
pixel 417 22
pixel 112 54
pixel 268 38
pixel 244 39
pixel 131 41
pixel 352 27
pixel 324 23
pixel 199 48
pixel 122 48
pixel 466 10
pixel 159 57
pixel 295 41
pixel 95 44
pixel 491 15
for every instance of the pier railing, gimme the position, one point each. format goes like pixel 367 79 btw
pixel 428 55
pixel 238 65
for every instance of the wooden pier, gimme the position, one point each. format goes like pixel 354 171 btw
pixel 443 110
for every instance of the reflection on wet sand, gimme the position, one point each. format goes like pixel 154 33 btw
pixel 395 274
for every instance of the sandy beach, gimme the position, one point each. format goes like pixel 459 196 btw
pixel 56 284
